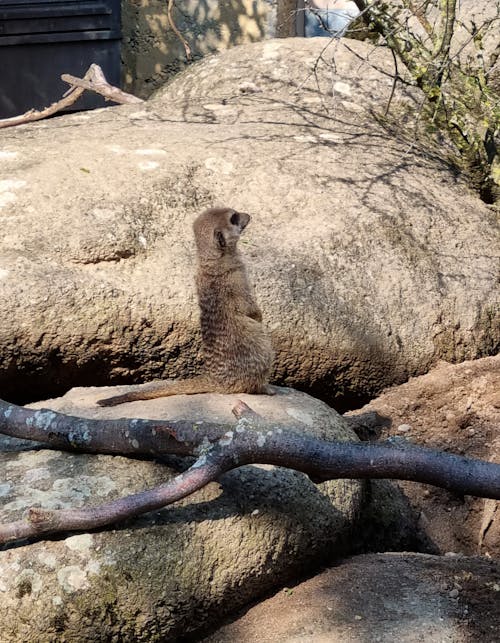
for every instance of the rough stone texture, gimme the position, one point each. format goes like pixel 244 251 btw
pixel 476 13
pixel 385 598
pixel 173 571
pixel 370 259
pixel 389 522
pixel 456 408
pixel 151 51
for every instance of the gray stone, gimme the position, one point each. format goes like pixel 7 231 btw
pixel 172 571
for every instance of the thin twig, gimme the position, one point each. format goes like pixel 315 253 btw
pixel 394 81
pixel 36 115
pixel 173 26
pixel 93 80
pixel 96 82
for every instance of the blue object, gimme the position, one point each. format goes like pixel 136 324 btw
pixel 326 22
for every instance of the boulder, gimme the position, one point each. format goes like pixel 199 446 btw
pixel 370 258
pixel 389 522
pixel 380 598
pixel 172 571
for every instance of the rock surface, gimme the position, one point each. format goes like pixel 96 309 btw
pixel 152 52
pixel 370 259
pixel 174 570
pixel 455 408
pixel 386 598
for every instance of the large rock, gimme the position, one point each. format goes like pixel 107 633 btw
pixel 173 571
pixel 370 258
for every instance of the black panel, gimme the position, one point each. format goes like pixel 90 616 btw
pixel 39 41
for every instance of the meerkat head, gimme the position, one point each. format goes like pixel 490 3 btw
pixel 219 229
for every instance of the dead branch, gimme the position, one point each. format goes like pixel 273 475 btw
pixel 41 521
pixel 96 82
pixel 173 26
pixel 37 115
pixel 220 448
pixel 93 80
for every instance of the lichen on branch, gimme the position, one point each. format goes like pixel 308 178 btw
pixel 220 448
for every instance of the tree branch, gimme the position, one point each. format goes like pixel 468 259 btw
pixel 41 521
pixel 447 10
pixel 220 448
pixel 173 26
pixel 93 80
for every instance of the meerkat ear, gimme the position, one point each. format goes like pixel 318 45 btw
pixel 219 239
pixel 235 218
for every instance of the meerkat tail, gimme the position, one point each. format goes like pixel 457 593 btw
pixel 164 389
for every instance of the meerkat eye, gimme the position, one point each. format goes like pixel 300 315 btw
pixel 235 218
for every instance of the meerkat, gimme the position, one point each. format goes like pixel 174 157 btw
pixel 236 347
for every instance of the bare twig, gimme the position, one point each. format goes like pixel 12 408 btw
pixel 394 81
pixel 37 115
pixel 93 80
pixel 220 448
pixel 173 26
pixel 41 521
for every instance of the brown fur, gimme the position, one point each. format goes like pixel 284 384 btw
pixel 237 349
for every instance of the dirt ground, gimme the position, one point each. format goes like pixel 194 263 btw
pixel 380 598
pixel 453 408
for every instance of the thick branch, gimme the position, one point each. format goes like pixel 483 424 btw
pixel 220 448
pixel 41 521
pixel 123 436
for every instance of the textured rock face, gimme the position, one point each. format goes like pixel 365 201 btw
pixel 152 52
pixel 173 571
pixel 370 260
